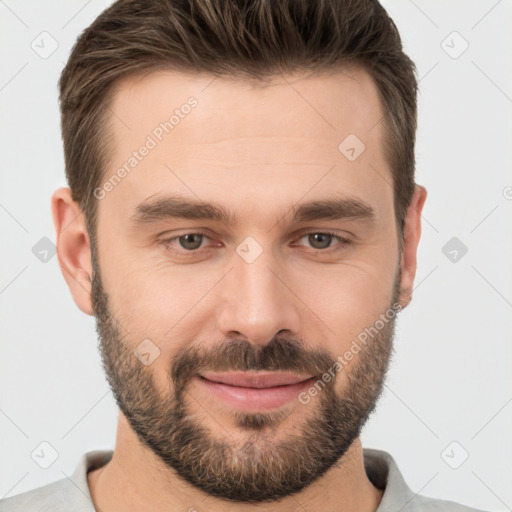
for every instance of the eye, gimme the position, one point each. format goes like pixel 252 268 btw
pixel 190 242
pixel 321 241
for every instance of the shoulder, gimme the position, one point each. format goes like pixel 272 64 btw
pixel 50 497
pixel 383 472
pixel 64 495
pixel 425 503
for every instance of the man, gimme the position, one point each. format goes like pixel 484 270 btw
pixel 242 220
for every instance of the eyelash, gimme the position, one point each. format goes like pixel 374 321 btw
pixel 343 242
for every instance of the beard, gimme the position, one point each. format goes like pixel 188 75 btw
pixel 265 464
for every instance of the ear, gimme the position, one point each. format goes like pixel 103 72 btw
pixel 73 247
pixel 412 233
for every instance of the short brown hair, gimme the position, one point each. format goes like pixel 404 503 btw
pixel 249 39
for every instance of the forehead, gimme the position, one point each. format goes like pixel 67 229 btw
pixel 330 101
pixel 237 141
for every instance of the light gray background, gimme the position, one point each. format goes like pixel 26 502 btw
pixel 451 378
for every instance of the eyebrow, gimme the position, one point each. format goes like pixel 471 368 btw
pixel 157 209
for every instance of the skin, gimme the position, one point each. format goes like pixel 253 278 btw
pixel 258 152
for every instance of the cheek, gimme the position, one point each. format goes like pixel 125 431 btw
pixel 347 298
pixel 148 288
pixel 159 302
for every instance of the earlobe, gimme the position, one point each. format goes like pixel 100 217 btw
pixel 412 234
pixel 73 247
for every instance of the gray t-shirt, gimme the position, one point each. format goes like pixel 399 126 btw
pixel 72 494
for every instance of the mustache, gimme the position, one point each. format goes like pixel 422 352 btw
pixel 280 354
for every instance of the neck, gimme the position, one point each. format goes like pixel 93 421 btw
pixel 136 479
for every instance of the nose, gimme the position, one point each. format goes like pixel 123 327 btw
pixel 258 301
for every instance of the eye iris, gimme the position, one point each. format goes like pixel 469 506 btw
pixel 189 243
pixel 324 237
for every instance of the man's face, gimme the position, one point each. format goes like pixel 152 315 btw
pixel 290 298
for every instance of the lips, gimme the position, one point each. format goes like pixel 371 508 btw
pixel 253 391
pixel 259 380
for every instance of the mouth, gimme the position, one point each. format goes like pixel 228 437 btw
pixel 260 380
pixel 254 391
